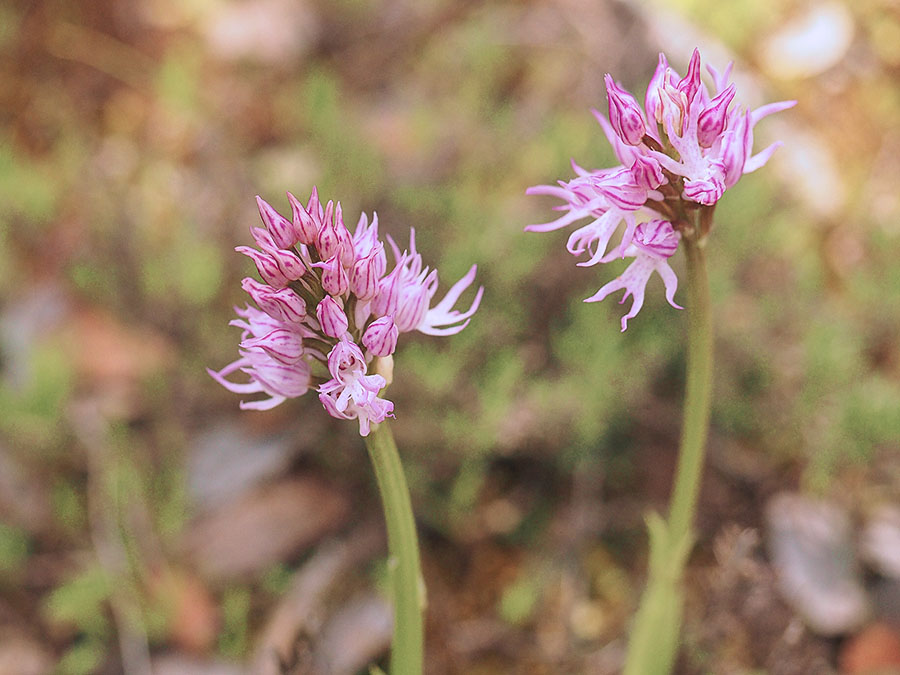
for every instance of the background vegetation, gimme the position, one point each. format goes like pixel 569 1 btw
pixel 145 517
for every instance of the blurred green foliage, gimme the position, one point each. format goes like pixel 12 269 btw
pixel 80 602
pixel 235 635
pixel 33 406
pixel 519 599
pixel 131 195
pixel 13 551
pixel 82 658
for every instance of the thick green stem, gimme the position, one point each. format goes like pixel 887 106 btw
pixel 698 394
pixel 654 636
pixel 405 573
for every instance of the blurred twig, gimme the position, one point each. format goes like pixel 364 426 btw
pixel 101 51
pixel 103 509
pixel 296 614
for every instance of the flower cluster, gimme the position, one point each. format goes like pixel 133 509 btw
pixel 678 154
pixel 329 307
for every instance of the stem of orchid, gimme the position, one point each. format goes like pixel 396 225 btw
pixel 698 393
pixel 407 586
pixel 653 644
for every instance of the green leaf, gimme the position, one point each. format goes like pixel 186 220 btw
pixel 81 602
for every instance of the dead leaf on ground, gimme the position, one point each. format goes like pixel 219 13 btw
pixel 269 525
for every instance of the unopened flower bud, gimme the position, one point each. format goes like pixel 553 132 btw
pixel 712 120
pixel 647 172
pixel 365 274
pixel 289 263
pixel 674 107
pixel 652 100
pixel 262 238
pixel 385 301
pixel 281 304
pixel 327 240
pixel 736 143
pixel 412 303
pixel 266 266
pixel 345 241
pixel 281 229
pixel 304 223
pixel 314 206
pixel 690 84
pixel 335 280
pixel 624 114
pixel 331 317
pixel 381 336
pixel 285 346
pixel 656 237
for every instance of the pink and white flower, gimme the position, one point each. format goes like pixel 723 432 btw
pixel 681 152
pixel 653 244
pixel 406 293
pixel 312 261
pixel 351 393
pixel 381 336
pixel 332 318
pixel 609 196
pixel 263 339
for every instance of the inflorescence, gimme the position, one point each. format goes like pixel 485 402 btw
pixel 678 154
pixel 328 308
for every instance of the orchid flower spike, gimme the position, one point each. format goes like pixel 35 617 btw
pixel 327 302
pixel 678 155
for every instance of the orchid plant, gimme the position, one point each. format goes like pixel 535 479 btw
pixel 328 313
pixel 679 153
pixel 328 316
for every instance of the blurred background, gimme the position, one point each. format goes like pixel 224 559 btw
pixel 147 525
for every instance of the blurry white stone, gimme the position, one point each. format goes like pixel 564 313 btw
pixel 809 44
pixel 170 14
pixel 226 460
pixel 284 168
pixel 36 311
pixel 274 523
pixel 880 541
pixel 811 547
pixel 24 500
pixel 501 516
pixel 19 655
pixel 181 664
pixel 270 31
pixel 355 636
pixel 809 166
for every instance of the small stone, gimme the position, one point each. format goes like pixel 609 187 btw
pixel 21 656
pixel 35 312
pixel 24 500
pixel 588 620
pixel 811 547
pixel 885 593
pixel 355 636
pixel 179 664
pixel 226 460
pixel 193 615
pixel 264 31
pixel 880 541
pixel 812 43
pixel 269 525
pixel 873 651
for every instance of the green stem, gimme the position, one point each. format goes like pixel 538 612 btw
pixel 407 587
pixel 653 644
pixel 698 394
